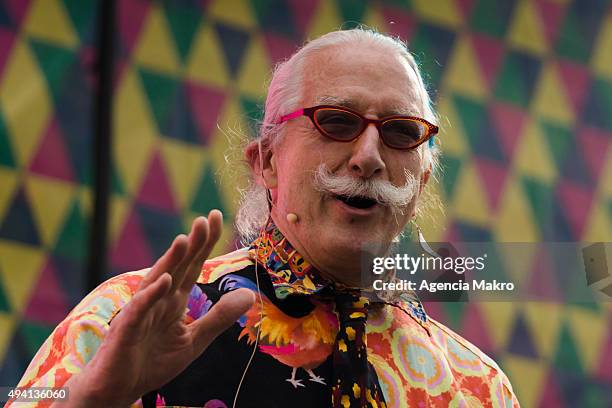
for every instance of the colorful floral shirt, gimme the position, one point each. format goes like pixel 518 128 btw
pixel 419 362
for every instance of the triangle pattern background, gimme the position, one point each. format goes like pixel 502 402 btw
pixel 523 89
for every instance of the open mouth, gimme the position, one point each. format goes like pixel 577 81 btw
pixel 357 201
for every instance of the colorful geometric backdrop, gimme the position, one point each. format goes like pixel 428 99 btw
pixel 524 92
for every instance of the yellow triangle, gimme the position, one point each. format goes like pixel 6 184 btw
pixel 183 162
pixel 326 19
pixel 470 203
pixel 8 185
pixel 135 133
pixel 605 181
pixel 255 70
pixel 550 100
pixel 85 196
pixel 227 153
pixel 501 316
pixel 514 222
pixel 433 220
pixel 20 266
pixel 236 12
pixel 532 157
pixel 517 261
pixel 155 48
pixel 47 20
pixel 451 137
pixel 599 224
pixel 602 52
pixel 373 18
pixel 7 325
pixel 525 31
pixel 589 329
pixel 527 378
pixel 50 200
pixel 119 207
pixel 25 102
pixel 443 12
pixel 463 74
pixel 544 320
pixel 206 63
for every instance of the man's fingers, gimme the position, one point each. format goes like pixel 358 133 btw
pixel 215 226
pixel 197 239
pixel 168 261
pixel 223 314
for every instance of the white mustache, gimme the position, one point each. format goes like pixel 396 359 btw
pixel 381 191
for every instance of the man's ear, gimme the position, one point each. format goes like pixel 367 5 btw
pixel 262 161
pixel 425 178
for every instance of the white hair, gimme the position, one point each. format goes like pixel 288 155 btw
pixel 284 95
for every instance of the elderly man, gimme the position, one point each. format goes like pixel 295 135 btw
pixel 340 164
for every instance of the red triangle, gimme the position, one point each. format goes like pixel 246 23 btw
pixel 52 159
pixel 206 104
pixel 575 202
pixel 278 48
pixel 475 329
pixel 435 310
pixel 489 53
pixel 604 373
pixel 399 23
pixel 7 39
pixel 88 57
pixel 594 144
pixel 508 121
pixel 551 395
pixel 131 251
pixel 303 11
pixel 48 303
pixel 465 8
pixel 155 190
pixel 576 79
pixel 493 176
pixel 542 282
pixel 551 16
pixel 132 14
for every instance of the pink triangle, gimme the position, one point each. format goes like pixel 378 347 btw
pixel 493 176
pixel 509 121
pixel 576 79
pixel 206 104
pixel 17 9
pixel 279 48
pixel 303 10
pixel 48 303
pixel 399 23
pixel 465 8
pixel 155 190
pixel 131 251
pixel 132 14
pixel 542 282
pixel 452 234
pixel 551 16
pixel 551 395
pixel 575 202
pixel 435 310
pixel 52 159
pixel 489 53
pixel 88 58
pixel 475 329
pixel 7 39
pixel 604 371
pixel 594 144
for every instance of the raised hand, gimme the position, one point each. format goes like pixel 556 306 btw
pixel 148 343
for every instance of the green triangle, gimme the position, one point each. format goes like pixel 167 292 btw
pixel 540 198
pixel 352 12
pixel 208 195
pixel 34 335
pixel 4 304
pixel 161 91
pixel 566 356
pixel 55 63
pixel 560 141
pixel 472 114
pixel 116 183
pixel 6 151
pixel 404 4
pixel 454 313
pixel 509 87
pixel 184 22
pixel 82 13
pixel 252 109
pixel 451 167
pixel 491 17
pixel 74 236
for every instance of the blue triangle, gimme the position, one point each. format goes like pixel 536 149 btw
pixel 159 226
pixel 179 124
pixel 233 43
pixel 71 276
pixel 18 224
pixel 520 340
pixel 16 360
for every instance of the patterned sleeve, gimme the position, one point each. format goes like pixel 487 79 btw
pixel 76 339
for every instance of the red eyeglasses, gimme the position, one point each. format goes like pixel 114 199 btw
pixel 345 125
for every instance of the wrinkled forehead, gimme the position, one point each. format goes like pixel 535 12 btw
pixel 361 78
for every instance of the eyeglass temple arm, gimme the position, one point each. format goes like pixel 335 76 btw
pixel 292 115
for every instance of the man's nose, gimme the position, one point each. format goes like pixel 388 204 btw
pixel 365 158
